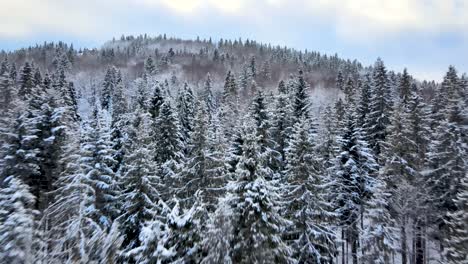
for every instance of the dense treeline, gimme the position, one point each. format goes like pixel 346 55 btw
pixel 158 150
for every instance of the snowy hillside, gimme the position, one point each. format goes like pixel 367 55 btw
pixel 163 150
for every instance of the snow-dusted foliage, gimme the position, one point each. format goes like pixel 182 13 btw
pixel 162 150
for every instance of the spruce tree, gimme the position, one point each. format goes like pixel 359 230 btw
pixel 26 81
pixel 300 100
pixel 351 176
pixel 17 222
pixel 108 86
pixel 380 107
pixel 313 240
pixel 457 240
pixel 256 219
pixel 140 198
pixel 379 235
pixel 281 123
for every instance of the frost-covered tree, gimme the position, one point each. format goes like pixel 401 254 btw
pixel 351 177
pixel 168 146
pixel 150 66
pixel 446 169
pixel 281 123
pixel 313 241
pixel 379 236
pixel 26 80
pixel 108 85
pixel 186 111
pixel 457 240
pixel 380 107
pixel 17 222
pixel 207 95
pixel 140 198
pixel 157 99
pixel 300 98
pixel 74 232
pixel 256 220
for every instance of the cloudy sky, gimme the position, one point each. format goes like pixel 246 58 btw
pixel 423 35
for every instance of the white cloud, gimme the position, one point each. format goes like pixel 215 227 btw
pixel 350 18
pixel 382 17
pixel 21 18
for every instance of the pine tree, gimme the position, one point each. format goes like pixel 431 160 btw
pixel 26 80
pixel 217 239
pixel 380 107
pixel 253 67
pixel 157 100
pixel 404 86
pixel 281 123
pixel 74 233
pixel 261 118
pixel 340 81
pixel 140 198
pixel 230 88
pixel 186 112
pixel 301 100
pixel 150 67
pixel 108 86
pixel 351 177
pixel 17 222
pixel 203 170
pixel 313 241
pixel 457 221
pixel 364 101
pixel 8 93
pixel 256 220
pixel 379 235
pixel 446 169
pixel 207 95
pixel 100 172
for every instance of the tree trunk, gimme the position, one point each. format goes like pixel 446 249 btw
pixel 404 250
pixel 354 243
pixel 419 244
pixel 343 246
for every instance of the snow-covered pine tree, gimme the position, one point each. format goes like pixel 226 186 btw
pixel 8 93
pixel 186 111
pixel 207 95
pixel 17 222
pixel 26 81
pixel 97 142
pixel 263 127
pixel 204 169
pixel 456 242
pixel 404 87
pixel 157 99
pixel 150 66
pixel 312 240
pixel 281 123
pixel 72 233
pixel 351 177
pixel 300 98
pixel 217 240
pixel 364 101
pixel 380 107
pixel 108 86
pixel 168 147
pixel 256 220
pixel 379 237
pixel 446 169
pixel 141 201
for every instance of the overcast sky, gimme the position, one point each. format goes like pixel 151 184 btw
pixel 426 36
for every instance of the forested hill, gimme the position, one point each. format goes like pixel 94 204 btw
pixel 162 150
